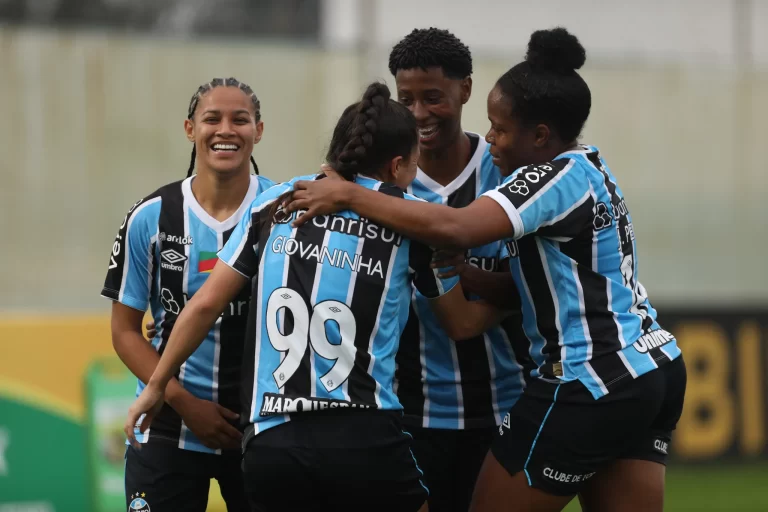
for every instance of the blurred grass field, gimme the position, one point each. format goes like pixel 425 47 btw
pixel 724 488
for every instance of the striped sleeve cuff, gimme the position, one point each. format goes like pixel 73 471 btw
pixel 126 300
pixel 236 266
pixel 511 211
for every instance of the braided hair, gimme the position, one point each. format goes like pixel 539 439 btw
pixel 368 135
pixel 223 82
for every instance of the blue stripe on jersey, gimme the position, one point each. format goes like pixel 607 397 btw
pixel 141 231
pixel 342 255
pixel 142 285
pixel 443 383
pixel 591 319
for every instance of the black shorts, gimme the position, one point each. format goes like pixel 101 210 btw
pixel 163 478
pixel 340 460
pixel 560 436
pixel 451 460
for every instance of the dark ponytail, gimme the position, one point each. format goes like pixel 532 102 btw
pixel 368 135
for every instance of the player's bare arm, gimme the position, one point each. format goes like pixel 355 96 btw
pixel 481 222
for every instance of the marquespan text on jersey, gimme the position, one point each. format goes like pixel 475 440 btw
pixel 322 254
pixel 279 404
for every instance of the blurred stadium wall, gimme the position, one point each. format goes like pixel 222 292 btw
pixel 92 121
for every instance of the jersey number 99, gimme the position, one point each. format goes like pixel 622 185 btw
pixel 309 327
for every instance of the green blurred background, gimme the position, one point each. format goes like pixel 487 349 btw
pixel 93 95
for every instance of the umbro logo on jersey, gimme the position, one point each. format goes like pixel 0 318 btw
pixel 170 258
pixel 183 240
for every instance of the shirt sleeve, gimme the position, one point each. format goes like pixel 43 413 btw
pixel 540 195
pixel 131 262
pixel 424 276
pixel 241 252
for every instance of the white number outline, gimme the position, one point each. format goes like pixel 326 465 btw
pixel 309 329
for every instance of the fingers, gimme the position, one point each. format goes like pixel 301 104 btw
pixel 129 429
pixel 230 432
pixel 299 196
pixel 227 413
pixel 310 213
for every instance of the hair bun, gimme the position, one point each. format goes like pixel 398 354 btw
pixel 373 92
pixel 555 50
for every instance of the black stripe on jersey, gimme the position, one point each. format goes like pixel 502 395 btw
pixel 531 179
pixel 601 324
pixel 476 395
pixel 610 368
pixel 532 269
pixel 521 345
pixel 171 290
pixel 366 298
pixel 465 194
pixel 659 356
pixel 113 283
pixel 471 354
pixel 301 277
pixel 410 390
pixel 572 225
pixel 248 369
pixel 620 216
pixel 231 341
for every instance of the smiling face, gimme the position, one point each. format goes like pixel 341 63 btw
pixel 436 102
pixel 512 144
pixel 224 130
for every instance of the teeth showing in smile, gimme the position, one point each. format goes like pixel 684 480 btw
pixel 425 133
pixel 224 147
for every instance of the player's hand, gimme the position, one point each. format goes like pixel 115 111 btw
pixel 211 423
pixel 143 411
pixel 450 262
pixel 330 172
pixel 318 197
pixel 151 331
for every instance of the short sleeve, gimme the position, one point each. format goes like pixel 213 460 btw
pixel 241 252
pixel 424 276
pixel 539 195
pixel 131 262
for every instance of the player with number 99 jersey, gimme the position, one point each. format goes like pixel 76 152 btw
pixel 332 300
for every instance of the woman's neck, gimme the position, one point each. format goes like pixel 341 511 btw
pixel 220 194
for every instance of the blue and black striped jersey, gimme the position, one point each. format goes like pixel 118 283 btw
pixel 331 302
pixel 574 260
pixel 162 255
pixel 449 385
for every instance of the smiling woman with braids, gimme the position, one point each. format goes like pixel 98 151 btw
pixel 164 251
pixel 331 302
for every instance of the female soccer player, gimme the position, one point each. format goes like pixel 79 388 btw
pixel 164 251
pixel 453 394
pixel 331 301
pixel 609 387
